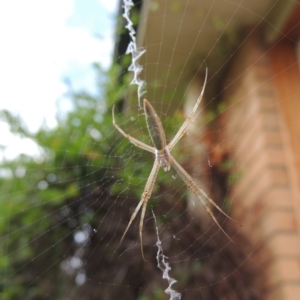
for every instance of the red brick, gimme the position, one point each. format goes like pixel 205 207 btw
pixel 265 145
pixel 278 197
pixel 284 244
pixel 290 291
pixel 254 218
pixel 283 270
pixel 253 186
pixel 286 291
pixel 275 221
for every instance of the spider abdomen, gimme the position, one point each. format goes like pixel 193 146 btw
pixel 155 127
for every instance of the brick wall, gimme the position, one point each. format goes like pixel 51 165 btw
pixel 265 195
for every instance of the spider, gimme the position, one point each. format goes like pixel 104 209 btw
pixel 164 159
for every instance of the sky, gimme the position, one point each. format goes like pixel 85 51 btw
pixel 43 43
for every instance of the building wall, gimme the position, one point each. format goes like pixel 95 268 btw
pixel 264 197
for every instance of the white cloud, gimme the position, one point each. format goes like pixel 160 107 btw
pixel 30 60
pixel 37 51
pixel 111 6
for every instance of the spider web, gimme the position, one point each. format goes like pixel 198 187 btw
pixel 63 212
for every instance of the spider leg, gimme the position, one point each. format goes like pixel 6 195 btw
pixel 216 206
pixel 192 185
pixel 143 203
pixel 134 141
pixel 190 119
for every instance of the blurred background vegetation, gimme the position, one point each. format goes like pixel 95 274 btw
pixel 62 214
pixel 54 222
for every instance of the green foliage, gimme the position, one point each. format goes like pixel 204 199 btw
pixel 83 157
pixel 158 294
pixel 77 157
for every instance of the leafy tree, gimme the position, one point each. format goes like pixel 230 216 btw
pixel 41 196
